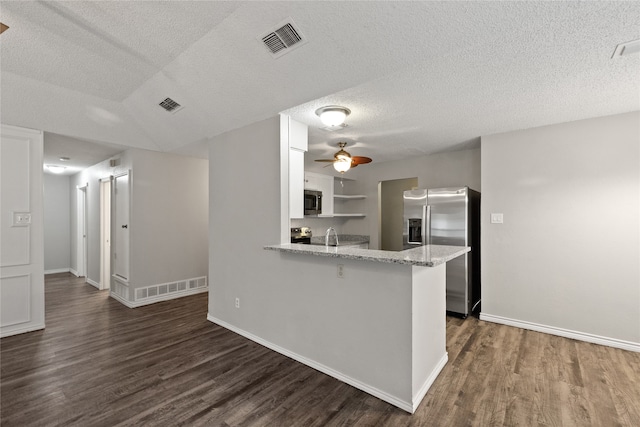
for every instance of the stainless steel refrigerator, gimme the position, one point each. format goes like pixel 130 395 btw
pixel 448 216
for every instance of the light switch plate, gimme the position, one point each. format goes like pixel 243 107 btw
pixel 21 219
pixel 497 218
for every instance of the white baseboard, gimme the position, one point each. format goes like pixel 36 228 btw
pixel 430 379
pixel 74 272
pixel 395 401
pixel 567 333
pixel 57 270
pixel 121 300
pixel 93 283
pixel 22 330
pixel 147 301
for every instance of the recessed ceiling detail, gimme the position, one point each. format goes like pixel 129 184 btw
pixel 283 39
pixel 170 105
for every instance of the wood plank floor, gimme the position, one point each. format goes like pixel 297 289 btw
pixel 99 363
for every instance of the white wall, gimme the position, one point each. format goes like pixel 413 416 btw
pixel 57 220
pixel 169 217
pixel 567 258
pixel 291 302
pixel 22 247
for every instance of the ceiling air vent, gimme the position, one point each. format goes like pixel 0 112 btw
pixel 170 105
pixel 283 38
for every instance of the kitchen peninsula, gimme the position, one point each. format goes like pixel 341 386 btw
pixel 375 319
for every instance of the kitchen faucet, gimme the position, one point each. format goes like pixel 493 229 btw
pixel 326 236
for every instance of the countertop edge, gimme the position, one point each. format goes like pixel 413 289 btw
pixel 425 256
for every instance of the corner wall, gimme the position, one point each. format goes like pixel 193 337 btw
pixel 566 258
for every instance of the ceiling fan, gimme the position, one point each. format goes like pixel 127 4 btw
pixel 343 161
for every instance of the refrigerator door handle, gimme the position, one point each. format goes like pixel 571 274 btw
pixel 426 220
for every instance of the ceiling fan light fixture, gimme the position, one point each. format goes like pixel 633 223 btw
pixel 333 115
pixel 342 165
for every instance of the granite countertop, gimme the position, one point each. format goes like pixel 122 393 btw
pixel 426 256
pixel 343 239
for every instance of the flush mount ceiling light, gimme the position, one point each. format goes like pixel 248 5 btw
pixel 56 169
pixel 333 115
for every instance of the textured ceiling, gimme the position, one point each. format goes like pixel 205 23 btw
pixel 81 153
pixel 419 77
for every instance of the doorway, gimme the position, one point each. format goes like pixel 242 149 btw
pixel 105 233
pixel 120 238
pixel 81 233
pixel 391 211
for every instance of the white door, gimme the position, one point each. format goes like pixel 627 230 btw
pixel 82 230
pixel 105 233
pixel 21 231
pixel 120 235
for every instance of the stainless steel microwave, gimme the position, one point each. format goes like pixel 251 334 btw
pixel 312 202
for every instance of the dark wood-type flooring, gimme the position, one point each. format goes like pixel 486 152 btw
pixel 99 363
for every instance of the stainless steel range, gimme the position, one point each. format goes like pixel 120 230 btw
pixel 301 235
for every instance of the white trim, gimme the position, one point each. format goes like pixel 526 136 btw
pixel 118 298
pixel 30 328
pixel 417 399
pixel 93 283
pixel 395 401
pixel 567 333
pixel 74 272
pixel 159 298
pixel 58 270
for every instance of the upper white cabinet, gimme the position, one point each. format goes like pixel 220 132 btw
pixel 296 135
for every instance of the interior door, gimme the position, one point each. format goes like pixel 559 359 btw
pixel 105 233
pixel 120 233
pixel 81 252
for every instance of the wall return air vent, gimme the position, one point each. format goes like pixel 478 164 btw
pixel 282 39
pixel 170 105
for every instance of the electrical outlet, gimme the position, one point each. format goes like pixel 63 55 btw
pixel 21 219
pixel 340 271
pixel 497 218
pixel 237 302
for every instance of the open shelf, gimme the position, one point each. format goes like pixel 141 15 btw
pixel 349 196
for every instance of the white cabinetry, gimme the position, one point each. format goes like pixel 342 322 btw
pixel 297 136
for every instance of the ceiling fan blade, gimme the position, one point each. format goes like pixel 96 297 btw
pixel 359 160
pixel 325 160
